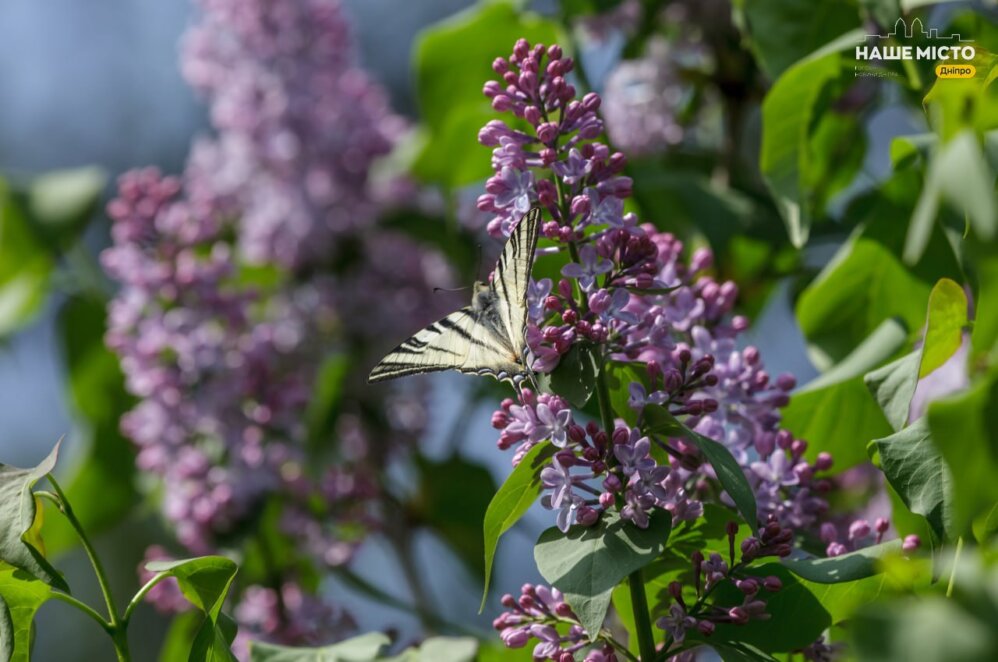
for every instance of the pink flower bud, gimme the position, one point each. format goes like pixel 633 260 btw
pixel 706 628
pixel 606 500
pixel 772 584
pixel 911 543
pixel 587 516
pixel 823 462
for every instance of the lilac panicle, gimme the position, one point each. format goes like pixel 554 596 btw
pixel 628 289
pixel 223 362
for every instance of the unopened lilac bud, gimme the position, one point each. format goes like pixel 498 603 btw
pixel 881 525
pixel 600 438
pixel 835 549
pixel 566 458
pixel 576 433
pixel 828 532
pixel 612 483
pixel 528 589
pixel 772 583
pixel 709 404
pixel 500 65
pixel 786 382
pixel 784 439
pixel 606 500
pixel 703 258
pixel 562 609
pixel 591 102
pixel 706 628
pixel 521 49
pixel 671 380
pixel 684 355
pixel 508 601
pixel 738 615
pixel 803 471
pixel 570 317
pixel 739 323
pixel 580 205
pixel 532 114
pixel 710 380
pixel 547 132
pixel 598 467
pixel 501 103
pixel 491 89
pixel 747 586
pixel 643 281
pixel 515 637
pixel 587 516
pixel 783 551
pixel 621 436
pixel 751 355
pixel 911 543
pixel 798 447
pixel 566 657
pixel 823 462
pixel 765 444
pixel 599 301
pixel 676 591
pixel 526 602
pixel 859 529
pixel 731 528
pixel 554 52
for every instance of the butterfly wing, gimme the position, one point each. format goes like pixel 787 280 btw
pixel 485 338
pixel 459 341
pixel 512 278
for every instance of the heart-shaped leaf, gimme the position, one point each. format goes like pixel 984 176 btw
pixel 358 649
pixel 19 519
pixel 586 563
pixel 513 499
pixel 21 595
pixel 860 564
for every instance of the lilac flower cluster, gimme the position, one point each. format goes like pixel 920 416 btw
pixel 230 300
pixel 627 290
pixel 662 325
pixel 538 614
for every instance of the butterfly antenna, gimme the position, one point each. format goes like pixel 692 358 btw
pixel 451 289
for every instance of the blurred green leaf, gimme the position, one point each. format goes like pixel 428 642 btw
pixel 25 267
pixel 20 518
pixel 985 265
pixel 21 595
pixel 60 202
pixel 453 60
pixel 177 644
pixel 440 649
pixel 836 148
pixel 363 648
pixel 959 175
pixel 788 112
pixel 965 430
pixel 453 499
pixel 913 466
pixel 957 104
pixel 588 562
pixel 815 411
pixel 861 287
pixel 101 486
pixel 783 32
pixel 514 498
pixel 324 406
pixel 849 567
pixel 205 581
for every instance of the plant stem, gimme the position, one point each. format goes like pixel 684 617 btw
pixel 642 621
pixel 952 573
pixel 138 597
pixel 82 606
pixel 114 626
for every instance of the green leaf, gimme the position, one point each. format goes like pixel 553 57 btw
pixel 323 408
pixel 101 486
pixel 893 386
pixel 205 582
pixel 575 376
pixel 985 261
pixel 177 644
pixel 60 202
pixel 619 377
pixel 452 61
pixel 20 597
pixel 453 498
pixel 959 175
pixel 788 113
pixel 736 651
pixel 794 603
pixel 25 267
pixel 513 499
pixel 968 104
pixel 815 412
pixel 947 319
pixel 965 430
pixel 785 31
pixel 588 562
pixel 861 287
pixel 20 545
pixel 729 473
pixel 363 648
pixel 849 567
pixel 912 465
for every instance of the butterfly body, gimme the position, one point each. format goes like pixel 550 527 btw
pixel 485 338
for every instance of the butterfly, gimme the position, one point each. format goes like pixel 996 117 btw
pixel 485 338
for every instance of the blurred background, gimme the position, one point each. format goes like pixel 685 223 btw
pixel 92 90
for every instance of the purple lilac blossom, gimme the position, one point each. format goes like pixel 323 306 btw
pixel 229 303
pixel 627 290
